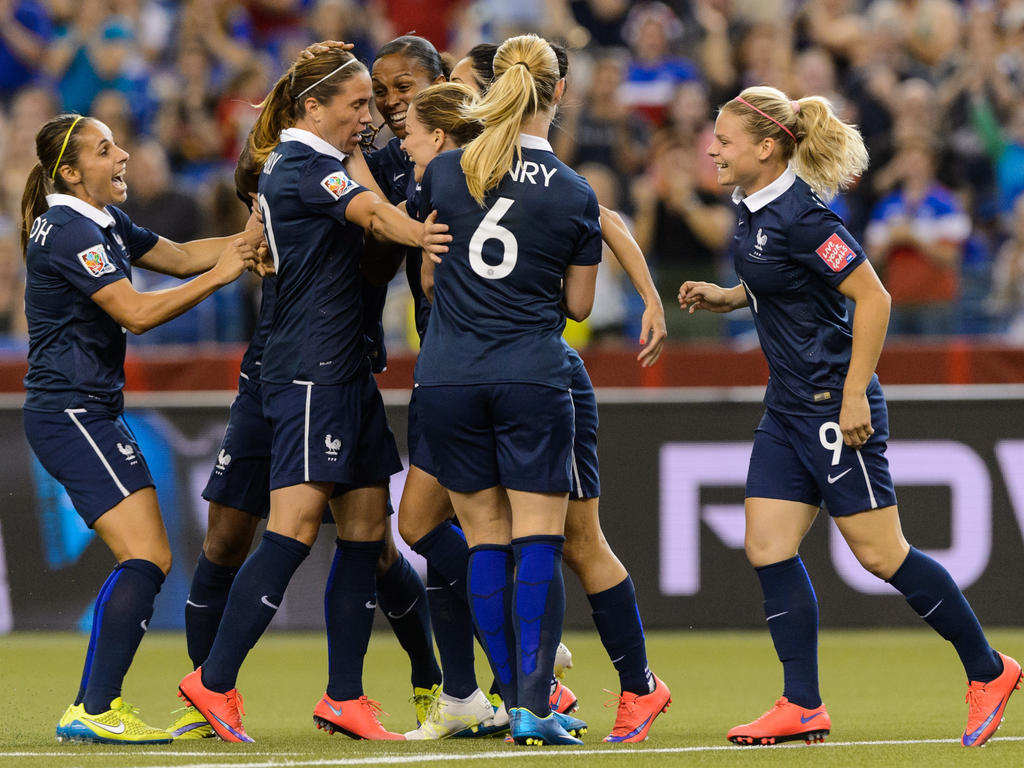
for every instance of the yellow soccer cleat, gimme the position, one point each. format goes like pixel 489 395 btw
pixel 423 699
pixel 190 725
pixel 118 725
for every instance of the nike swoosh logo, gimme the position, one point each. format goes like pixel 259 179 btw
pixel 268 603
pixel 403 613
pixel 108 728
pixel 398 176
pixel 433 588
pixel 370 604
pixel 145 625
pixel 616 661
pixel 837 477
pixel 808 719
pixel 195 605
pixel 337 712
pixel 776 615
pixel 453 583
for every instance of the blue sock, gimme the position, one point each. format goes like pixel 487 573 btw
pixel 490 601
pixel 349 600
pixel 453 632
pixel 205 606
pixel 252 603
pixel 124 608
pixel 618 623
pixel 101 599
pixel 403 598
pixel 937 599
pixel 539 609
pixel 791 609
pixel 445 550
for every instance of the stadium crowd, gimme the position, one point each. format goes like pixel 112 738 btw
pixel 935 86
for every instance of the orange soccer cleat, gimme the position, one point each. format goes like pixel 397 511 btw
pixel 223 711
pixel 562 699
pixel 636 713
pixel 783 722
pixel 356 718
pixel 987 703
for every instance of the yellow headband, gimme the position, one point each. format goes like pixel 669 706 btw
pixel 64 146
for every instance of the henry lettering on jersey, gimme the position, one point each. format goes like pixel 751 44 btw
pixel 527 171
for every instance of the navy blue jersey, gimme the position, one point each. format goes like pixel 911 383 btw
pixel 75 349
pixel 317 331
pixel 391 169
pixel 414 260
pixel 252 360
pixel 791 252
pixel 497 313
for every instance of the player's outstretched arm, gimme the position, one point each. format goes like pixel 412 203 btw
pixel 197 256
pixel 694 295
pixel 627 252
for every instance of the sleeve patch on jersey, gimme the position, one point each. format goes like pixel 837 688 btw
pixel 835 253
pixel 95 260
pixel 338 184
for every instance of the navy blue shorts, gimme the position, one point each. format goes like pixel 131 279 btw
pixel 586 478
pixel 329 433
pixel 241 472
pixel 419 451
pixel 94 455
pixel 803 458
pixel 518 436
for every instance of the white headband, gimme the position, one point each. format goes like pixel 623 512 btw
pixel 329 74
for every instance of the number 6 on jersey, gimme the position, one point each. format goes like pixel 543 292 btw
pixel 490 229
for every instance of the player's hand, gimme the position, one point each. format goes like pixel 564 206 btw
pixel 652 334
pixel 435 238
pixel 855 420
pixel 237 257
pixel 255 220
pixel 694 295
pixel 313 50
pixel 264 266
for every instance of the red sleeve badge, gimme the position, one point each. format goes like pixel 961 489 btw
pixel 835 253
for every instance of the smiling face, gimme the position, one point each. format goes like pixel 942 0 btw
pixel 98 177
pixel 420 143
pixel 742 160
pixel 341 120
pixel 396 79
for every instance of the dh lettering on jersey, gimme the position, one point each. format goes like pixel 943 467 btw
pixel 272 159
pixel 40 229
pixel 527 170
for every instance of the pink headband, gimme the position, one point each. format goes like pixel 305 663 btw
pixel 741 100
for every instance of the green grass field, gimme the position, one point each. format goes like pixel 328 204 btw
pixel 896 699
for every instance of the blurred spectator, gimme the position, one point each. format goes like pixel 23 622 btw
pixel 435 20
pixel 238 107
pixel 89 54
pixel 12 281
pixel 691 126
pixel 1007 299
pixel 31 108
pixel 112 109
pixel 154 202
pixel 609 318
pixel 765 55
pixel 595 127
pixel 929 30
pixel 681 228
pixel 25 31
pixel 837 26
pixel 915 239
pixel 603 21
pixel 655 71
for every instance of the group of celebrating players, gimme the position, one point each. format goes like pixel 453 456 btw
pixel 501 242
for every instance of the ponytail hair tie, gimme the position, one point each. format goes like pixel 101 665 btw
pixel 796 107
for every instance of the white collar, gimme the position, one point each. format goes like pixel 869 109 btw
pixel 312 141
pixel 103 218
pixel 765 195
pixel 529 141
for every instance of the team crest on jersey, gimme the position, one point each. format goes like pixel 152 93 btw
pixel 337 184
pixel 223 459
pixel 835 253
pixel 95 260
pixel 128 451
pixel 333 446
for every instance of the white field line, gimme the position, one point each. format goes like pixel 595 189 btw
pixel 517 754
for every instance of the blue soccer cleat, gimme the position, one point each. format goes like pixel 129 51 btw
pixel 528 729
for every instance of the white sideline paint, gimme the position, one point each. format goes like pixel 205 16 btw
pixel 229 761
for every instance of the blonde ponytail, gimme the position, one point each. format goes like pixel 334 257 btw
pixel 526 73
pixel 825 152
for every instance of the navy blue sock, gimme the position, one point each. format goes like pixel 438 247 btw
pixel 539 609
pixel 490 601
pixel 101 599
pixel 618 623
pixel 252 603
pixel 445 550
pixel 124 609
pixel 453 632
pixel 403 598
pixel 791 609
pixel 937 599
pixel 349 600
pixel 204 608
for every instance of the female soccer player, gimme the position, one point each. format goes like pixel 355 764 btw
pixel 822 438
pixel 330 431
pixel 79 253
pixel 493 359
pixel 434 125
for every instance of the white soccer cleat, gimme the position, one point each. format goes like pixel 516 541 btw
pixel 449 717
pixel 563 660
